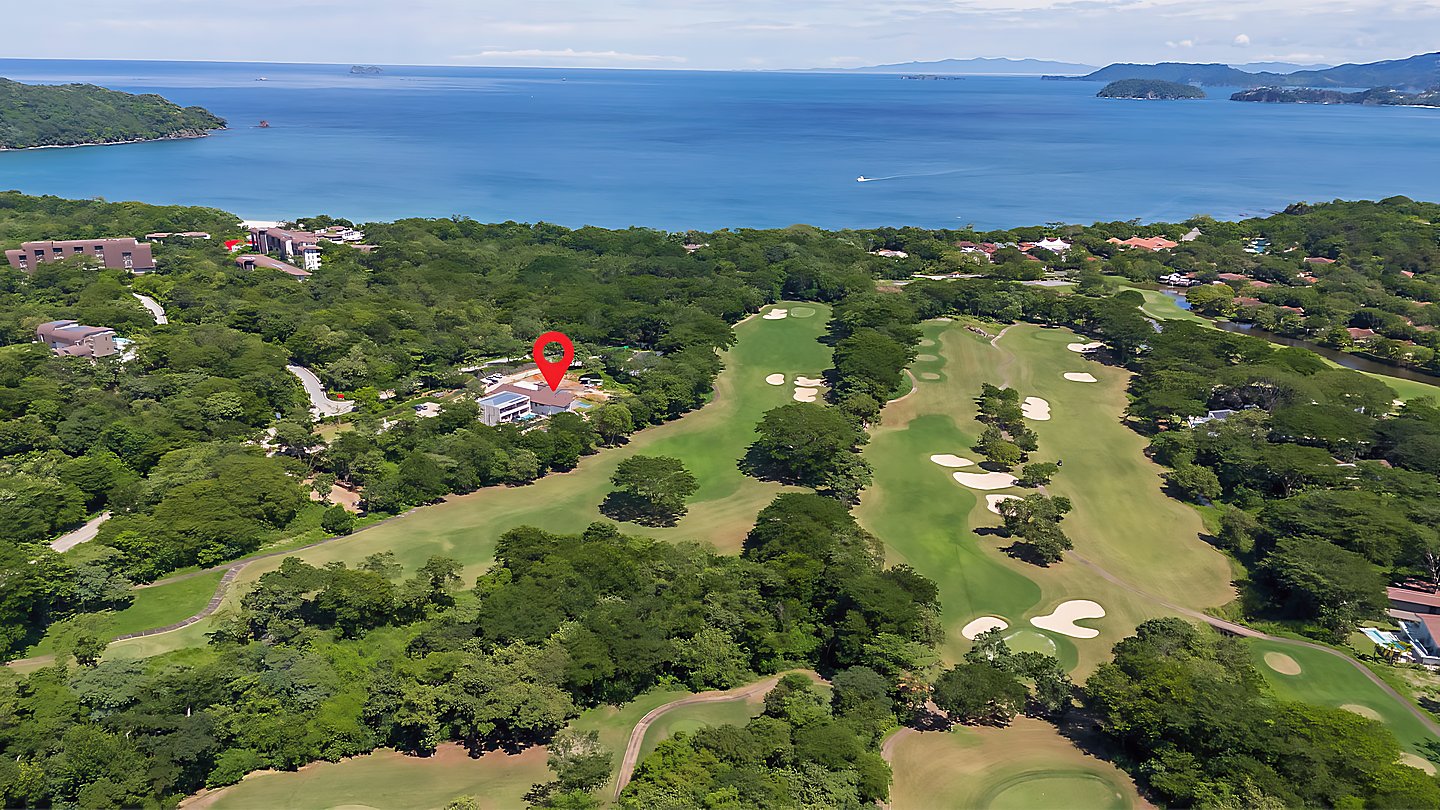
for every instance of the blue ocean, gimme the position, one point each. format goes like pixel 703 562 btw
pixel 708 150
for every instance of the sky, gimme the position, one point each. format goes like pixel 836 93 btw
pixel 723 34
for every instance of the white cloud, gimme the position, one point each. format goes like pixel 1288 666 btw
pixel 568 53
pixel 1242 41
pixel 1184 43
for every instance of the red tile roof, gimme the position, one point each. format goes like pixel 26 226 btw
pixel 1415 597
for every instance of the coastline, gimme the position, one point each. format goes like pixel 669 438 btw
pixel 177 137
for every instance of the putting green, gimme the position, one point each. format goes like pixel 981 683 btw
pixel 1031 641
pixel 1073 789
pixel 710 441
pixel 1027 765
pixel 802 312
pixel 1325 680
pixel 1122 520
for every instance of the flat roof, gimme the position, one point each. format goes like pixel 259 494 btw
pixel 502 398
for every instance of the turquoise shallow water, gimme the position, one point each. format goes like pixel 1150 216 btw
pixel 709 150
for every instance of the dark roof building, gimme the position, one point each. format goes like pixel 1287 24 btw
pixel 123 253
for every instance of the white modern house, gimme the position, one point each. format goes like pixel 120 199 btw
pixel 506 406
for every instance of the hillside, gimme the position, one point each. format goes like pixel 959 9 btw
pixel 1379 97
pixel 1149 89
pixel 1415 72
pixel 78 114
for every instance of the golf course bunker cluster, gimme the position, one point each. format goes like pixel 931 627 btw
pixel 807 389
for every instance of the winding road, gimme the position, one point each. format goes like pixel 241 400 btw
pixel 156 311
pixel 321 405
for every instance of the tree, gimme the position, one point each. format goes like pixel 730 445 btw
pixel 1312 579
pixel 1198 483
pixel 650 490
pixel 337 520
pixel 979 693
pixel 809 444
pixel 1037 474
pixel 579 761
pixel 1003 454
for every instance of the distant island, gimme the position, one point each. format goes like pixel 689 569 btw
pixel 365 69
pixel 1378 97
pixel 84 114
pixel 1413 73
pixel 1153 89
pixel 933 77
pixel 972 67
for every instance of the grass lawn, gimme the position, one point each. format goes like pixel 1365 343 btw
pixel 710 441
pixel 386 780
pixel 1028 765
pixel 1162 307
pixel 695 717
pixel 1122 520
pixel 1328 681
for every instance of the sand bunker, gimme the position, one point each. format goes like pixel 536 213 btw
pixel 1407 758
pixel 928 375
pixel 992 502
pixel 805 394
pixel 926 342
pixel 925 358
pixel 1075 347
pixel 1080 376
pixel 1282 663
pixel 1035 408
pixel 947 460
pixel 776 314
pixel 776 379
pixel 1363 711
pixel 808 382
pixel 1062 619
pixel 994 480
pixel 983 624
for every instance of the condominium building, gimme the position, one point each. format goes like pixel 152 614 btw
pixel 119 253
pixel 71 339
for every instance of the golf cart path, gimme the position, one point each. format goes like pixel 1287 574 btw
pixel 84 534
pixel 637 734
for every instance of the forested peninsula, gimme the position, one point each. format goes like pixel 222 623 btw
pixel 33 115
pixel 1376 97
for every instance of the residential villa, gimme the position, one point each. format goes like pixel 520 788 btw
pixel 71 339
pixel 543 401
pixel 890 254
pixel 506 406
pixel 116 253
pixel 302 247
pixel 986 249
pixel 1180 280
pixel 1153 244
pixel 250 261
pixel 1052 245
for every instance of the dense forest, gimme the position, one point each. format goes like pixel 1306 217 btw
pixel 74 114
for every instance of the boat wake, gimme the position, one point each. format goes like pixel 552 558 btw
pixel 863 179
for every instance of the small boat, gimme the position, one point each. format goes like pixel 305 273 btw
pixel 262 79
pixel 264 124
pixel 862 179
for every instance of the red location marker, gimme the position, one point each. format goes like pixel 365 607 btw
pixel 554 370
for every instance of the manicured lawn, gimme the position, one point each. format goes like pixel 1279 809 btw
pixel 1328 681
pixel 1122 520
pixel 1028 765
pixel 386 780
pixel 710 441
pixel 1162 307
pixel 155 606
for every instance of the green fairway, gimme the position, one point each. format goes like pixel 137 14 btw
pixel 154 606
pixel 1162 307
pixel 698 716
pixel 387 780
pixel 1329 681
pixel 1027 765
pixel 1122 520
pixel 710 441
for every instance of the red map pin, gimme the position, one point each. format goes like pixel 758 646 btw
pixel 554 370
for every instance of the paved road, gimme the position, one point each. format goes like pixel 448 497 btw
pixel 154 306
pixel 637 734
pixel 320 405
pixel 84 534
